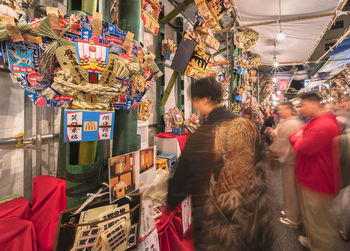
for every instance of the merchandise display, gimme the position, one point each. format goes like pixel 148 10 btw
pixel 126 116
pixel 213 11
pixel 192 123
pixel 100 66
pixel 150 15
pixel 173 119
pixel 144 109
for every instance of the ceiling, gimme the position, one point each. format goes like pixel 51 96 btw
pixel 301 37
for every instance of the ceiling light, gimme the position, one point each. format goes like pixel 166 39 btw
pixel 274 79
pixel 278 93
pixel 275 64
pixel 281 36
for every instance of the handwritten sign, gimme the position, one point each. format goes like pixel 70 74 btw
pixel 88 125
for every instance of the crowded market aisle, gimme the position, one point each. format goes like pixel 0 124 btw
pixel 286 239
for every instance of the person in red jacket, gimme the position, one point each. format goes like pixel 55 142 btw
pixel 316 173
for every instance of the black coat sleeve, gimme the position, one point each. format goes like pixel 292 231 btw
pixel 179 186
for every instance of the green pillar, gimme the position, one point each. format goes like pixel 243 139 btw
pixel 125 137
pixel 160 111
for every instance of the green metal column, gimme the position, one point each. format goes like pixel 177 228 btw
pixel 125 137
pixel 160 111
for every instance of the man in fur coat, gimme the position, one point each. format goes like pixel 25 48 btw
pixel 218 168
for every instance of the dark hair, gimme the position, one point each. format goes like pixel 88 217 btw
pixel 288 104
pixel 311 96
pixel 207 87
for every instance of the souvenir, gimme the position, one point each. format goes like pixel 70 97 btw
pixel 150 14
pixel 144 110
pixel 87 63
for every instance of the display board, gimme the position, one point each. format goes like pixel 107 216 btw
pixel 82 125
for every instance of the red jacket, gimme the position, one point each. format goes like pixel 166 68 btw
pixel 315 165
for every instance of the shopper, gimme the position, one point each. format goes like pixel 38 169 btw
pixel 342 146
pixel 281 148
pixel 269 122
pixel 316 173
pixel 217 168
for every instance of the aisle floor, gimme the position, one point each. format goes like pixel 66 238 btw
pixel 286 239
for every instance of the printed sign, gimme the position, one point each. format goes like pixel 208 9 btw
pixel 88 125
pixel 147 165
pixel 123 173
pixel 147 219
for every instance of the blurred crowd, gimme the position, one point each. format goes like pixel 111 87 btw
pixel 311 142
pixel 222 168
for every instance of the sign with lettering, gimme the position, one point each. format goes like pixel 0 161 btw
pixel 80 125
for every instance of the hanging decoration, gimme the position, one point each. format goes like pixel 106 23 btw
pixel 213 11
pixel 192 123
pixel 89 63
pixel 174 121
pixel 14 8
pixel 168 49
pixel 204 31
pixel 144 110
pixel 199 65
pixel 245 39
pixel 150 15
pixel 254 60
pixel 114 12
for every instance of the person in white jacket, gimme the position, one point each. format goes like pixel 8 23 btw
pixel 281 148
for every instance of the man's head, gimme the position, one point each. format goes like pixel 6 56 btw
pixel 298 109
pixel 206 94
pixel 310 104
pixel 286 109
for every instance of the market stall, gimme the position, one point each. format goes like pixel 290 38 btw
pixel 110 84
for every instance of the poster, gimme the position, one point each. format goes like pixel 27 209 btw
pixel 151 243
pixel 81 125
pixel 186 205
pixel 123 173
pixel 147 165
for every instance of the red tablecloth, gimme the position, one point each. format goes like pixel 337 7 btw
pixel 182 139
pixel 170 232
pixel 16 208
pixel 17 231
pixel 49 199
pixel 17 234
